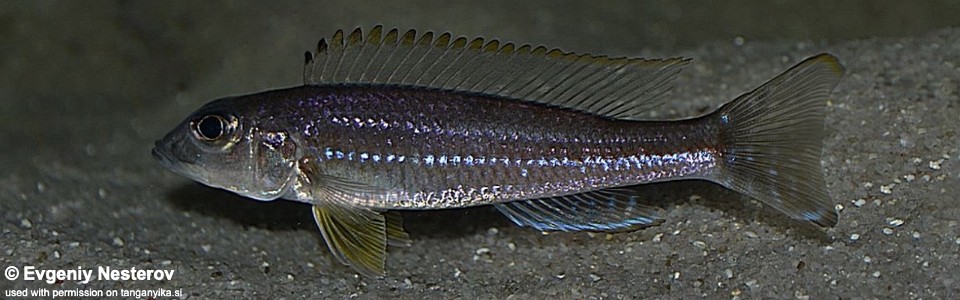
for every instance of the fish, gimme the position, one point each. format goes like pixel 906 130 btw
pixel 390 120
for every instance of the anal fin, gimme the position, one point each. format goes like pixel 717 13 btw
pixel 604 210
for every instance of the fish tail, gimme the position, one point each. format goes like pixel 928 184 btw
pixel 772 137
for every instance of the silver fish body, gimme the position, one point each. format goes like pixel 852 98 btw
pixel 441 149
pixel 549 144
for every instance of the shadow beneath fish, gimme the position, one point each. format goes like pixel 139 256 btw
pixel 453 223
pixel 290 215
pixel 272 215
pixel 457 223
pixel 669 195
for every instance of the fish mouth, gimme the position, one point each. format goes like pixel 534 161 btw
pixel 168 161
pixel 160 155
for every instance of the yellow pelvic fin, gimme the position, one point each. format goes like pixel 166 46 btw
pixel 357 237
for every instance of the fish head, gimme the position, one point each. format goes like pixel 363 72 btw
pixel 224 145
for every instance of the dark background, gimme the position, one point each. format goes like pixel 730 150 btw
pixel 87 86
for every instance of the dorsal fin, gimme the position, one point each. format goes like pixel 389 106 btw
pixel 620 88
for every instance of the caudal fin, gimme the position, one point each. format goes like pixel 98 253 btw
pixel 772 137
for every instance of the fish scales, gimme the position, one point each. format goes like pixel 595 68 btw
pixel 390 120
pixel 450 149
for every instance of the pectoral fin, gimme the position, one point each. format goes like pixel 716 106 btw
pixel 358 236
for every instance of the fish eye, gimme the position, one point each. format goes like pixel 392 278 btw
pixel 210 127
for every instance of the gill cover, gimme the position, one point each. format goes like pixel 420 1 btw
pixel 275 168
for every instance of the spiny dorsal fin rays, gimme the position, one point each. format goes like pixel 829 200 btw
pixel 620 88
